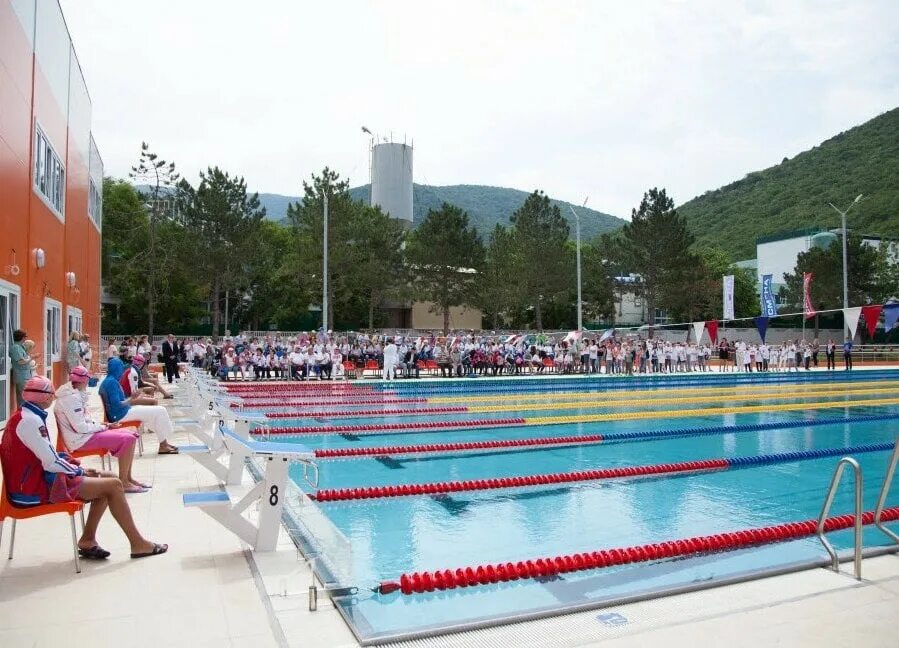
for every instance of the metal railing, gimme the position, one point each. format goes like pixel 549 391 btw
pixel 831 492
pixel 884 490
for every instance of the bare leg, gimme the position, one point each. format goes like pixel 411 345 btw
pixel 111 492
pixel 89 536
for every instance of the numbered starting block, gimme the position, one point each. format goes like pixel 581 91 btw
pixel 269 492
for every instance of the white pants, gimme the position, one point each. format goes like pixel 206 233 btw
pixel 155 417
pixel 389 370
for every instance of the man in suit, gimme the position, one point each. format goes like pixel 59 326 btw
pixel 170 353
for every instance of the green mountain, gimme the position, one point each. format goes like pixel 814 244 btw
pixel 794 194
pixel 486 206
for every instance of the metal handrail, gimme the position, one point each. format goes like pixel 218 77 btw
pixel 831 492
pixel 884 490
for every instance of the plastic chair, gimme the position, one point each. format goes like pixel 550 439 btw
pixel 16 513
pixel 371 365
pixel 349 368
pixel 134 424
pixel 104 454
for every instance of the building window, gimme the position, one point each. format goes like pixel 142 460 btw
pixel 95 203
pixel 52 330
pixel 49 174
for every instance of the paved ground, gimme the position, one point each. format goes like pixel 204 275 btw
pixel 207 591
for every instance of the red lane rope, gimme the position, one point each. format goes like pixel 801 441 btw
pixel 436 488
pixel 449 447
pixel 267 402
pixel 454 409
pixel 302 386
pixel 418 582
pixel 426 425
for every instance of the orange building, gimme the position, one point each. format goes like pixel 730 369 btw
pixel 51 180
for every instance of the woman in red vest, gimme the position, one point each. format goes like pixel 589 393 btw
pixel 34 473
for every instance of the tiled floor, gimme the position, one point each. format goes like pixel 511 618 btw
pixel 207 591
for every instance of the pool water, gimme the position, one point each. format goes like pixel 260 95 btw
pixel 392 536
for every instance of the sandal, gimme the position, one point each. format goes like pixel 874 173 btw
pixel 94 553
pixel 135 489
pixel 141 485
pixel 158 549
pixel 169 450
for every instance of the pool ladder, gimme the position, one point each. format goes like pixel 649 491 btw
pixel 857 528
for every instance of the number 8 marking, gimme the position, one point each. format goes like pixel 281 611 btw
pixel 273 496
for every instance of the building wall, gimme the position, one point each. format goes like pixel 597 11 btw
pixel 41 85
pixel 778 258
pixel 460 317
pixel 391 180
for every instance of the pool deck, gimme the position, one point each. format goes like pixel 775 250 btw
pixel 210 591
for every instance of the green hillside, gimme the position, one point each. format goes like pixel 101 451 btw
pixel 486 206
pixel 794 194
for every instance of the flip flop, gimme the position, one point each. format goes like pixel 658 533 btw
pixel 172 450
pixel 158 549
pixel 142 485
pixel 135 489
pixel 94 553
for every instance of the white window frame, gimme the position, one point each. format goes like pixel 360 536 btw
pixel 48 173
pixel 76 314
pixel 53 306
pixel 14 318
pixel 95 203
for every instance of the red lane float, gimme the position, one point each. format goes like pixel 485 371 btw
pixel 418 582
pixel 454 409
pixel 450 447
pixel 389 427
pixel 437 488
pixel 293 385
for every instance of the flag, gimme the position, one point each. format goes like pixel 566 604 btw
pixel 573 336
pixel 769 304
pixel 761 323
pixel 850 316
pixel 890 315
pixel 807 294
pixel 698 328
pixel 712 326
pixel 605 336
pixel 871 315
pixel 728 284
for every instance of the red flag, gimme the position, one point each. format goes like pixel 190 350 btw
pixel 807 294
pixel 871 314
pixel 712 327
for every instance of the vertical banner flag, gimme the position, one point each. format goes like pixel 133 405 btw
pixel 807 294
pixel 728 284
pixel 890 316
pixel 769 304
pixel 871 314
pixel 712 326
pixel 761 323
pixel 605 336
pixel 850 316
pixel 698 328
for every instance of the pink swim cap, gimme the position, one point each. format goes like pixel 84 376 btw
pixel 38 390
pixel 79 375
pixel 137 360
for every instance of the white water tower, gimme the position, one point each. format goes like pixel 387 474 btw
pixel 391 180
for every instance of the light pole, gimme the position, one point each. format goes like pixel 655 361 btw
pixel 845 271
pixel 580 304
pixel 325 263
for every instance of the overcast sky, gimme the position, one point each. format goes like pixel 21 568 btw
pixel 598 99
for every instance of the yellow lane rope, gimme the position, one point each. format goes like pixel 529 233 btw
pixel 711 411
pixel 648 402
pixel 612 395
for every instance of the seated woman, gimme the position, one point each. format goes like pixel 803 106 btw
pixel 121 408
pixel 35 474
pixel 81 432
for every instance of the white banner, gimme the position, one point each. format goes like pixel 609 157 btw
pixel 698 328
pixel 850 316
pixel 728 284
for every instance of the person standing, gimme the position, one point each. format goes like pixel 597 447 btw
pixel 391 357
pixel 73 351
pixel 831 352
pixel 170 354
pixel 847 354
pixel 22 368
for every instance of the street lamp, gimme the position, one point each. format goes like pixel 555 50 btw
pixel 580 304
pixel 845 272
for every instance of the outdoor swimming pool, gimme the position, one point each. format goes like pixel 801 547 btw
pixel 401 534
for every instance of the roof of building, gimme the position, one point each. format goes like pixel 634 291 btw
pixel 750 264
pixel 791 234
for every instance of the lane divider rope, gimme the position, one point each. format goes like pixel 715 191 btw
pixel 441 488
pixel 476 575
pixel 589 439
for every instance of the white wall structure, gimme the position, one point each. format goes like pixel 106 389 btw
pixel 391 180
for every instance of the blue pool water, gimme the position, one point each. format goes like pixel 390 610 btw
pixel 392 536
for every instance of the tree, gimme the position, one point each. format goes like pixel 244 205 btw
pixel 543 267
pixel 599 268
pixel 378 251
pixel 161 178
pixel 657 245
pixel 223 222
pixel 497 286
pixel 445 254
